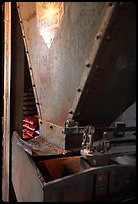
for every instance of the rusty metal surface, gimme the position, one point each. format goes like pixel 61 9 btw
pixel 34 188
pixel 25 177
pixel 39 147
pixel 31 184
pixel 61 167
pixel 57 69
pixel 111 84
pixel 87 72
pixel 76 188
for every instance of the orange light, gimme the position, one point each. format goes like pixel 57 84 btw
pixel 49 15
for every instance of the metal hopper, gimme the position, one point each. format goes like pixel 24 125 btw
pixel 81 62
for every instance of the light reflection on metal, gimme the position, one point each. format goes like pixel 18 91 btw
pixel 49 15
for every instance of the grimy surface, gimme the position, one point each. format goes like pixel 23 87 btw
pixel 82 62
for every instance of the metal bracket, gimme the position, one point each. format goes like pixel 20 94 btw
pixel 71 127
pixel 88 132
pixel 87 142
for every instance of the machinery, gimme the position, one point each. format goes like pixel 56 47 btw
pixel 79 61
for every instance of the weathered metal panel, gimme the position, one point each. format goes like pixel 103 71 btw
pixel 67 178
pixel 25 177
pixel 57 69
pixel 79 62
pixel 30 183
pixel 101 186
pixel 75 188
pixel 122 183
pixel 110 87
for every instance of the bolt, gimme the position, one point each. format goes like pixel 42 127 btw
pixel 79 89
pixel 98 36
pixel 51 126
pixel 108 37
pixel 110 3
pixel 70 112
pixel 88 65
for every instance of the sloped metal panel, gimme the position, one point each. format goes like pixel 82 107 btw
pixel 82 64
pixel 58 65
pixel 111 82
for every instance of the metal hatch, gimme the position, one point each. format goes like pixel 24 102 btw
pixel 85 69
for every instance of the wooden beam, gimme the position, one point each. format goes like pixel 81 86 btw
pixel 6 97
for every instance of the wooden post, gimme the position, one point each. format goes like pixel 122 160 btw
pixel 7 87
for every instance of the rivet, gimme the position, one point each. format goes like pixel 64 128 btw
pixel 51 126
pixel 70 112
pixel 79 89
pixel 98 36
pixel 108 37
pixel 88 65
pixel 110 3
